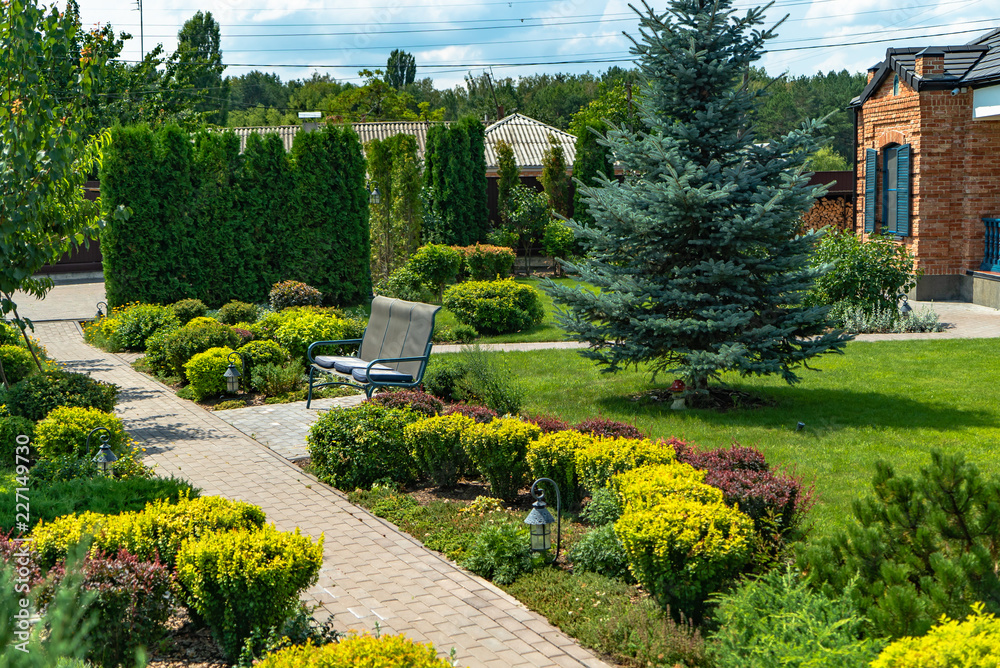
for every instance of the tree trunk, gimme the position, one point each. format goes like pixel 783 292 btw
pixel 27 341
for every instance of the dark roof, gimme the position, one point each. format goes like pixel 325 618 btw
pixel 974 65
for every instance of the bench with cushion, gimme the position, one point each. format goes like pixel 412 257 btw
pixel 392 352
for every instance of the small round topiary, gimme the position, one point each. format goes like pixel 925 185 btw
pixel 187 310
pixel 236 312
pixel 35 396
pixel 17 362
pixel 263 351
pixel 293 293
pixel 64 431
pixel 495 307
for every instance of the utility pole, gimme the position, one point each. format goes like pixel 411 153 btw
pixel 142 47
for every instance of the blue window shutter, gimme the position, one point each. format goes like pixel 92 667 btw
pixel 870 174
pixel 903 190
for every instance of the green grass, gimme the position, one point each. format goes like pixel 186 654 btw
pixel 889 400
pixel 548 330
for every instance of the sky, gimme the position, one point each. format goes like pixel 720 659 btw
pixel 450 38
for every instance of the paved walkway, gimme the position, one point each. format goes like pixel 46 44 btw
pixel 372 573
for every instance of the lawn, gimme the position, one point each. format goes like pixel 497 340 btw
pixel 548 330
pixel 890 400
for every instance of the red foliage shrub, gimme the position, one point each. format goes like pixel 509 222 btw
pixel 548 423
pixel 735 458
pixel 245 335
pixel 8 550
pixel 480 414
pixel 420 402
pixel 607 427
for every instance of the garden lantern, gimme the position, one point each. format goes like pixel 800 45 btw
pixel 905 307
pixel 375 196
pixel 232 374
pixel 677 389
pixel 540 520
pixel 105 457
pixel 100 313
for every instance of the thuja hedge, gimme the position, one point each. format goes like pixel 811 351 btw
pixel 455 175
pixel 209 223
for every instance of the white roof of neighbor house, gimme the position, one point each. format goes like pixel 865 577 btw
pixel 530 140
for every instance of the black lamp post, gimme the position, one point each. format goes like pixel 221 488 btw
pixel 540 520
pixel 374 196
pixel 105 457
pixel 232 374
pixel 100 313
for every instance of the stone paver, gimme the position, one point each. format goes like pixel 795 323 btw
pixel 372 573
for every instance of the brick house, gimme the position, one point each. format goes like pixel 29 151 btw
pixel 928 164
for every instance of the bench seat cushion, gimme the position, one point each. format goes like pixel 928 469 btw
pixel 382 376
pixel 348 366
pixel 328 361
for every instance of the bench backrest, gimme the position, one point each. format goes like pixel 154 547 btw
pixel 398 328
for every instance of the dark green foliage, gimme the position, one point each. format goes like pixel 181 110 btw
pixel 695 255
pixel 235 312
pixel 211 224
pixel 108 496
pixel 435 264
pixel 778 621
pixel 495 307
pixel 400 69
pixel 501 551
pixel 922 547
pixel 355 447
pixel 189 309
pixel 488 380
pixel 508 177
pixel 12 426
pixel 869 275
pixel 133 603
pixel 395 221
pixel 455 177
pixel 603 508
pixel 600 551
pixel 554 178
pixel 442 375
pixel 36 395
pixel 182 344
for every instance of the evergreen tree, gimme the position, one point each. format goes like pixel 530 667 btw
pixel 554 179
pixel 400 69
pixel 694 253
pixel 508 176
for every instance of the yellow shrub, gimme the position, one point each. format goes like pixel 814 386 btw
pixel 239 580
pixel 358 650
pixel 974 643
pixel 553 456
pixel 436 445
pixel 648 486
pixel 602 458
pixel 499 449
pixel 65 429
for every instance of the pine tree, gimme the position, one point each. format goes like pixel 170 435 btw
pixel 695 253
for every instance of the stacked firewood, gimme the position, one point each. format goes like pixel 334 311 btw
pixel 832 211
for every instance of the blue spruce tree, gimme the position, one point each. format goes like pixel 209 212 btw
pixel 695 253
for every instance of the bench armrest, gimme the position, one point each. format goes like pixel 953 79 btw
pixel 368 369
pixel 342 342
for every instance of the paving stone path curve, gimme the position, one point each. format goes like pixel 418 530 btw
pixel 372 573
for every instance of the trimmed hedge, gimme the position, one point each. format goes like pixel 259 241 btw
pixel 357 651
pixel 211 224
pixel 495 307
pixel 65 429
pixel 36 396
pixel 455 179
pixel 499 451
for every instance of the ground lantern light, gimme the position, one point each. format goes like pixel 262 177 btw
pixel 232 374
pixel 374 196
pixel 100 313
pixel 540 520
pixel 105 457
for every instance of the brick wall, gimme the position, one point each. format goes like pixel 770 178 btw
pixel 955 170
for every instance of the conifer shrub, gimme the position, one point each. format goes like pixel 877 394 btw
pixel 553 456
pixel 355 447
pixel 600 458
pixel 137 322
pixel 293 293
pixel 480 414
pixel 157 530
pixel 495 307
pixel 18 363
pixel 501 551
pixel 498 450
pixel 358 650
pixel 134 602
pixel 972 643
pixel 187 310
pixel 199 335
pixel 65 429
pixel 683 543
pixel 236 312
pixel 436 445
pixel 921 546
pixel 420 402
pixel 609 428
pixel 37 395
pixel 241 580
pixel 205 372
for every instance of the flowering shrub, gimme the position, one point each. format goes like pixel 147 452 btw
pixel 293 293
pixel 610 428
pixel 495 307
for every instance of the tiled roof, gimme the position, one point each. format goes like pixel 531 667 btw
pixel 366 131
pixel 973 65
pixel 530 140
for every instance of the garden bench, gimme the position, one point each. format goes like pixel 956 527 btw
pixel 392 352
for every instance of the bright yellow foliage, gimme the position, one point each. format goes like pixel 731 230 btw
pixel 358 651
pixel 603 457
pixel 974 643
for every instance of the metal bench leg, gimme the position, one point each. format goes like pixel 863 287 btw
pixel 309 397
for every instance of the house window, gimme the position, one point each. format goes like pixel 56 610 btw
pixel 895 85
pixel 893 189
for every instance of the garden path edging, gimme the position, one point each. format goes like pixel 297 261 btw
pixel 372 573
